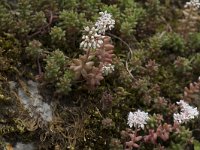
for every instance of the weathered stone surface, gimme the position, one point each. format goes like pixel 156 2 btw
pixel 33 99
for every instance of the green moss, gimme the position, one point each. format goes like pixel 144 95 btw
pixel 38 41
pixel 172 43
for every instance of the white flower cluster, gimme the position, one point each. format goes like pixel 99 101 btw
pixel 91 40
pixel 193 4
pixel 137 119
pixel 105 22
pixel 187 112
pixel 93 37
pixel 107 69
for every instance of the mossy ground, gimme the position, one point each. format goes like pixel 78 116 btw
pixel 157 55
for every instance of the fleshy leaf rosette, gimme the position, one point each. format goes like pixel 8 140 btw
pixel 94 77
pixel 82 66
pixel 105 52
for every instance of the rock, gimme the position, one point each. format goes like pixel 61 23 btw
pixel 21 146
pixel 32 99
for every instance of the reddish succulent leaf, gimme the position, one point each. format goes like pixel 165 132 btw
pixel 81 66
pixel 94 77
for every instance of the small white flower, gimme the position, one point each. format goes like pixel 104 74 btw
pixel 187 112
pixel 91 40
pixel 137 119
pixel 107 69
pixel 104 22
pixel 193 4
pixel 93 37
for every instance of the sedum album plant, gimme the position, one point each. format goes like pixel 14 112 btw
pixel 98 58
pixel 155 132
